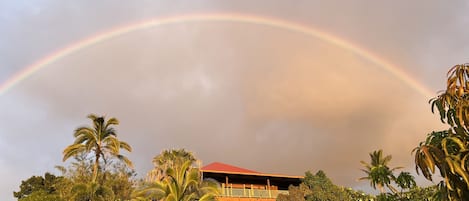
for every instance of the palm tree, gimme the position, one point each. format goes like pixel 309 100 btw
pixel 405 180
pixel 166 159
pixel 100 140
pixel 173 157
pixel 378 172
pixel 179 182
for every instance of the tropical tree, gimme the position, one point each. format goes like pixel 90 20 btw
pixel 405 181
pixel 322 188
pixel 121 180
pixel 378 172
pixel 181 181
pixel 422 194
pixel 118 185
pixel 318 187
pixel 167 159
pixel 42 195
pixel 100 140
pixel 91 191
pixel 38 187
pixel 448 150
pixel 295 193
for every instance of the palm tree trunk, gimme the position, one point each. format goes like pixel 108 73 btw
pixel 381 188
pixel 394 190
pixel 95 168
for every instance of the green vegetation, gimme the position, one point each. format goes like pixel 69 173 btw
pixel 378 172
pixel 40 188
pixel 381 175
pixel 175 179
pixel 115 184
pixel 448 150
pixel 99 172
pixel 168 159
pixel 319 187
pixel 99 140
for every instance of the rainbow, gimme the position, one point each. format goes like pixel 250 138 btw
pixel 216 17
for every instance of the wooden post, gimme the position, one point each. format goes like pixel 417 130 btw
pixel 268 188
pixel 226 184
pixel 244 190
pixel 223 188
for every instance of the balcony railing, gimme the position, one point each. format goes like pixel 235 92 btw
pixel 253 193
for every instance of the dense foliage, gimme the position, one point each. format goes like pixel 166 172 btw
pixel 381 175
pixel 99 172
pixel 75 184
pixel 318 187
pixel 37 187
pixel 448 150
pixel 167 159
pixel 100 141
pixel 175 178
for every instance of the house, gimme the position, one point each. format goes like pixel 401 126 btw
pixel 239 184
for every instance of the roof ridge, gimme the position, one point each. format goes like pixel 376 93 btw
pixel 223 167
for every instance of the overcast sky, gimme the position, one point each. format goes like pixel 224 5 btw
pixel 264 98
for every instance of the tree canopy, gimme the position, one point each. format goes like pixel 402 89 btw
pixel 319 187
pixel 100 140
pixel 176 179
pixel 39 186
pixel 448 150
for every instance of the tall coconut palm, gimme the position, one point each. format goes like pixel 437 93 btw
pixel 100 141
pixel 378 172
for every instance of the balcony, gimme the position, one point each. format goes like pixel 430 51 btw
pixel 250 192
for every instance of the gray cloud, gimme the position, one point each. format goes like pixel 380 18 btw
pixel 258 97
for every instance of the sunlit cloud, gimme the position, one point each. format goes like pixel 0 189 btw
pixel 254 96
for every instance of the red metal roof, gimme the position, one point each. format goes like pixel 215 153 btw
pixel 221 167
